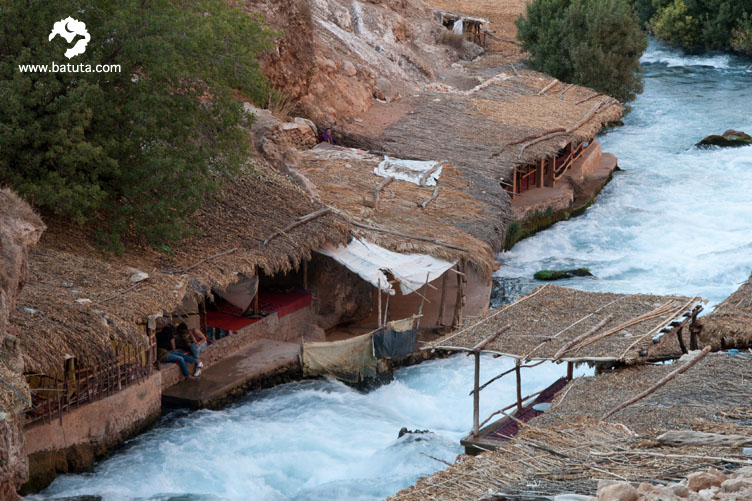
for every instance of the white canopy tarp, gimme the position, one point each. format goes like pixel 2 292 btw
pixel 241 293
pixel 409 170
pixel 370 261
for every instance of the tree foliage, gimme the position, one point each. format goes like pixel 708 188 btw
pixel 133 152
pixel 596 43
pixel 700 24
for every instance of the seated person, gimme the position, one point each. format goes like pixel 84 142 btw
pixel 194 339
pixel 326 136
pixel 166 352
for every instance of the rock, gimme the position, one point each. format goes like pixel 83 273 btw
pixel 702 480
pixel 343 19
pixel 550 275
pixel 620 491
pixel 83 301
pixel 471 50
pixel 328 65
pixel 349 69
pixel 735 484
pixel 680 490
pixel 729 139
pixel 309 123
pixel 139 276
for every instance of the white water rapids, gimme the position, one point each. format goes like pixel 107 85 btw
pixel 677 220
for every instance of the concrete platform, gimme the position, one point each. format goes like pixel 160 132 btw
pixel 261 363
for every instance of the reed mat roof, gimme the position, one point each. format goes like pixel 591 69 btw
pixel 345 179
pixel 570 458
pixel 714 394
pixel 730 324
pixel 556 322
pixel 67 265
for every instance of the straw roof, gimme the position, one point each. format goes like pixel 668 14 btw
pixel 716 390
pixel 467 128
pixel 67 266
pixel 567 459
pixel 730 324
pixel 345 179
pixel 556 322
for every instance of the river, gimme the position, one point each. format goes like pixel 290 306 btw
pixel 677 220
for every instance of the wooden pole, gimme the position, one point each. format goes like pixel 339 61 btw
pixel 518 374
pixel 305 275
pixel 256 297
pixel 476 396
pixel 386 311
pixel 443 299
pixel 422 301
pixel 549 182
pixel 378 291
pixel 659 384
pixel 570 371
pixel 458 304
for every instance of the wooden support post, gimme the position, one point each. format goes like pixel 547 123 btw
pixel 570 371
pixel 549 181
pixel 443 299
pixel 540 165
pixel 476 396
pixel 378 291
pixel 460 298
pixel 386 311
pixel 255 298
pixel 514 182
pixel 305 275
pixel 422 302
pixel 519 384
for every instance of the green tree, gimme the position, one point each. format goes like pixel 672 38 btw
pixel 136 151
pixel 596 43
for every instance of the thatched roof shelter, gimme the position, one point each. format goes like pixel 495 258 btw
pixel 569 449
pixel 508 120
pixel 570 458
pixel 345 179
pixel 559 323
pixel 713 392
pixel 79 302
pixel 730 324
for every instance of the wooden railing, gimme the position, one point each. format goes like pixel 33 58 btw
pixel 71 386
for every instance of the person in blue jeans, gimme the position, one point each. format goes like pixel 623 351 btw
pixel 167 353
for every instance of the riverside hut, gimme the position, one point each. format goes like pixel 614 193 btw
pixel 422 240
pixel 566 325
pixel 696 421
pixel 522 141
pixel 729 326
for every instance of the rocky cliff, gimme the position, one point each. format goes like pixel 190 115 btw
pixel 20 228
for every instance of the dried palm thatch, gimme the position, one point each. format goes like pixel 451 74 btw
pixel 345 179
pixel 67 266
pixel 571 458
pixel 559 323
pixel 730 324
pixel 487 131
pixel 708 393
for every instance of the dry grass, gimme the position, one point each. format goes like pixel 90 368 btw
pixel 547 320
pixel 730 324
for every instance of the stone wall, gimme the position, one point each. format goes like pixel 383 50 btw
pixel 82 435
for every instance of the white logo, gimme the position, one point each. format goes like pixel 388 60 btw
pixel 77 28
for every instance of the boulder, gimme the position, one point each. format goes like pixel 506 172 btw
pixel 620 491
pixel 729 139
pixel 550 275
pixel 349 69
pixel 702 480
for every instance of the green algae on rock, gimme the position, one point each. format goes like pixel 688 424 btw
pixel 729 139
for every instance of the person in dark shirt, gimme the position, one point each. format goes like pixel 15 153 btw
pixel 168 354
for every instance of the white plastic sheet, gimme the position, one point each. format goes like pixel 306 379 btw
pixel 370 261
pixel 408 170
pixel 457 28
pixel 241 293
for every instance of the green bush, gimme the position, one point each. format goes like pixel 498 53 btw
pixel 700 24
pixel 596 43
pixel 133 152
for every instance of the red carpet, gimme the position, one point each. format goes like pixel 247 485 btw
pixel 510 427
pixel 228 317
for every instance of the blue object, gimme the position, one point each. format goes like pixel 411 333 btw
pixel 733 352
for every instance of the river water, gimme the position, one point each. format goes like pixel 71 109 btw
pixel 677 220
